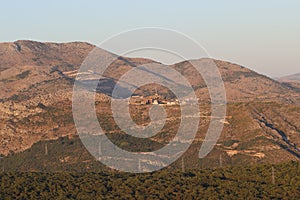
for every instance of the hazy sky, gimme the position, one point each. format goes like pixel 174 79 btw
pixel 261 35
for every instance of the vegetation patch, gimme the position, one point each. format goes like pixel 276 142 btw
pixel 280 181
pixel 229 143
pixel 23 74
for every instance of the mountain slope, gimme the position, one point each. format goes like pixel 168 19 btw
pixel 37 81
pixel 241 84
pixel 26 63
pixel 291 81
pixel 290 78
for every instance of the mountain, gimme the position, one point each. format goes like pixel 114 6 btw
pixel 25 64
pixel 242 84
pixel 290 78
pixel 36 80
pixel 291 81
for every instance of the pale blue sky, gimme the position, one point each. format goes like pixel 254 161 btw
pixel 261 35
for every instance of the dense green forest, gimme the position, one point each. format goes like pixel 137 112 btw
pixel 281 181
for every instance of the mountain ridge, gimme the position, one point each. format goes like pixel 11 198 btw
pixel 292 81
pixel 66 57
pixel 36 103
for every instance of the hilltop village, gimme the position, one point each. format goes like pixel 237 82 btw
pixel 156 99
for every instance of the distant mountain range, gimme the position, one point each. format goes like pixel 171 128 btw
pixel 291 80
pixel 36 83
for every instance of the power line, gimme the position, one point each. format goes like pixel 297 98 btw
pixel 46 149
pixel 182 164
pixel 139 166
pixel 100 149
pixel 2 159
pixel 273 176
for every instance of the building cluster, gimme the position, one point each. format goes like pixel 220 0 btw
pixel 151 100
pixel 157 99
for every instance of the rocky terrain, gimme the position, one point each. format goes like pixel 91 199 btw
pixel 36 82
